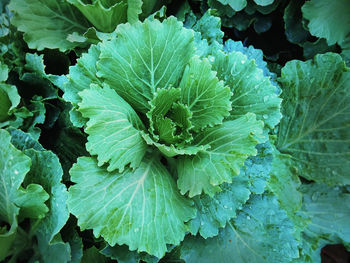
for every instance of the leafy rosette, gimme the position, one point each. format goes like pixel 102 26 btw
pixel 154 113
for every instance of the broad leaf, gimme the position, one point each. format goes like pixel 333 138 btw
pixel 113 128
pixel 316 110
pixel 329 211
pixel 47 24
pixel 103 16
pixel 206 97
pixel 261 233
pixel 252 91
pixel 236 5
pixel 130 207
pixel 145 57
pixel 328 19
pixel 230 145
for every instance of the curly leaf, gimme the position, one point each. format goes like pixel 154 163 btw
pixel 206 97
pixel 252 91
pixel 113 128
pixel 131 207
pixel 214 213
pixel 230 145
pixel 261 233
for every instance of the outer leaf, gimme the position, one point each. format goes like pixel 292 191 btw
pixel 207 98
pixel 252 91
pixel 113 128
pixel 214 213
pixel 236 5
pixel 264 2
pixel 144 57
pixel 104 17
pixel 328 19
pixel 47 23
pixel 329 211
pixel 13 167
pixel 46 170
pixel 130 208
pixel 230 145
pixel 316 110
pixel 134 9
pixel 261 233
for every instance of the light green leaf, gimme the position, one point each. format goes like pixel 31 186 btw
pixel 105 16
pixel 264 2
pixel 131 207
pixel 46 171
pixel 80 77
pixel 134 9
pixel 214 213
pixel 328 19
pixel 14 166
pixel 236 5
pixel 4 71
pixel 113 128
pixel 172 150
pixel 145 57
pixel 261 233
pixel 252 91
pixel 170 121
pixel 32 201
pixel 230 145
pixel 316 110
pixel 206 97
pixel 47 23
pixel 329 211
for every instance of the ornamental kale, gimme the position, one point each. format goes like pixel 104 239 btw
pixel 136 132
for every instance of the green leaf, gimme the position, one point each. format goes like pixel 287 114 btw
pixel 14 166
pixel 328 19
pixel 209 25
pixel 32 201
pixel 46 171
pixel 4 71
pixel 252 91
pixel 257 168
pixel 104 16
pixel 261 233
pixel 214 213
pixel 206 97
pixel 329 211
pixel 80 77
pixel 134 9
pixel 264 2
pixel 236 5
pixel 92 254
pixel 230 145
pixel 316 110
pixel 131 207
pixel 46 24
pixel 172 150
pixel 113 128
pixel 170 121
pixel 145 57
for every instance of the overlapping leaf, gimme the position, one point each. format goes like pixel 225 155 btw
pixel 131 207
